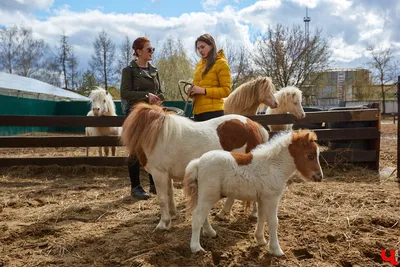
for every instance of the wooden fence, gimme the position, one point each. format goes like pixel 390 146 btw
pixel 371 133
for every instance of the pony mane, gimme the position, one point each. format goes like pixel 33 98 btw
pixel 274 146
pixel 248 93
pixel 282 140
pixel 286 94
pixel 304 135
pixel 142 128
pixel 100 94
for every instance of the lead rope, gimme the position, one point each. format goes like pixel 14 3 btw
pixel 186 89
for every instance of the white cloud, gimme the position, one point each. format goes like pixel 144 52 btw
pixel 343 52
pixel 259 14
pixel 307 3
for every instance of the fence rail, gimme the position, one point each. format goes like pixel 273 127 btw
pixel 370 133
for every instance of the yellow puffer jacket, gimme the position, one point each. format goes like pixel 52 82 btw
pixel 217 82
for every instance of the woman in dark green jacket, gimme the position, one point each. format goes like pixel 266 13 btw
pixel 140 83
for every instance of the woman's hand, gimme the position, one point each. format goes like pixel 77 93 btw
pixel 197 90
pixel 153 99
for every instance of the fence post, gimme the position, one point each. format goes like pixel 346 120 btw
pixel 376 143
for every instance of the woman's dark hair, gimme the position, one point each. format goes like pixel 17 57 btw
pixel 139 44
pixel 212 54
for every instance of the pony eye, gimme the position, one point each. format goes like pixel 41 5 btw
pixel 310 157
pixel 295 103
pixel 104 101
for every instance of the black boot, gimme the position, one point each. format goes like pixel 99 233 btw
pixel 153 189
pixel 152 186
pixel 139 193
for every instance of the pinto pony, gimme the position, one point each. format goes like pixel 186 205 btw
pixel 245 99
pixel 150 133
pixel 102 104
pixel 289 99
pixel 257 176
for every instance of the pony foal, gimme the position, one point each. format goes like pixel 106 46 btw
pixel 260 175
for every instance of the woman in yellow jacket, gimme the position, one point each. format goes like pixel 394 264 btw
pixel 212 80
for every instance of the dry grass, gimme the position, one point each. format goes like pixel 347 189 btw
pixel 82 216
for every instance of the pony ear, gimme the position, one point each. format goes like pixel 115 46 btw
pixel 307 138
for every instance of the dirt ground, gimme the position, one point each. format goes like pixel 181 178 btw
pixel 84 216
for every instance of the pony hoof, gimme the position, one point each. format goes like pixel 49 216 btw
pixel 254 215
pixel 221 216
pixel 196 249
pixel 173 212
pixel 162 226
pixel 276 252
pixel 212 233
pixel 261 241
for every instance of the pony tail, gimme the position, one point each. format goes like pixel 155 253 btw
pixel 141 129
pixel 190 185
pixel 264 133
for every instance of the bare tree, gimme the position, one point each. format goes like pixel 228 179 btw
pixel 64 50
pixel 9 47
pixel 21 53
pixel 32 54
pixel 285 55
pixel 73 64
pixel 173 65
pixel 125 56
pixel 383 68
pixel 102 60
pixel 239 62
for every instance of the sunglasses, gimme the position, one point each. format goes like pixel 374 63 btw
pixel 150 49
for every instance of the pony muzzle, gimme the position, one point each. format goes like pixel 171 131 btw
pixel 275 105
pixel 317 177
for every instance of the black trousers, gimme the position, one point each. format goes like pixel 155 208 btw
pixel 208 115
pixel 134 167
pixel 134 172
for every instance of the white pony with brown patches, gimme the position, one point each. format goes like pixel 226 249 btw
pixel 290 99
pixel 102 104
pixel 257 176
pixel 245 99
pixel 165 143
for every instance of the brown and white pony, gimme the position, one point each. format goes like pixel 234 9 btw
pixel 260 175
pixel 102 104
pixel 165 143
pixel 245 99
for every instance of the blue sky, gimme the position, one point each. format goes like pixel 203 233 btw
pixel 165 8
pixel 349 24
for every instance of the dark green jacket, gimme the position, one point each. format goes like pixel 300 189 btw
pixel 137 83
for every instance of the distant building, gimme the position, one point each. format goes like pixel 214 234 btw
pixel 331 87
